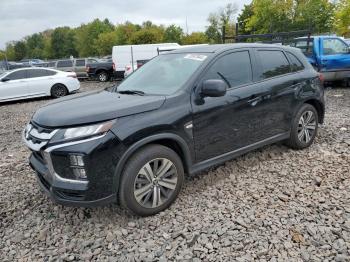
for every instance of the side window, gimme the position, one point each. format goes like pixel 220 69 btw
pixel 91 61
pixel 274 63
pixel 295 65
pixel 22 74
pixel 65 63
pixel 334 46
pixel 306 46
pixel 40 73
pixel 235 68
pixel 80 62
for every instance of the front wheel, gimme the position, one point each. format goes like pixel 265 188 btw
pixel 151 181
pixel 304 127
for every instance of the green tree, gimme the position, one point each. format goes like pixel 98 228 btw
pixel 148 35
pixel 342 18
pixel 217 20
pixel 20 50
pixel 173 34
pixel 125 32
pixel 316 15
pixel 87 34
pixel 35 46
pixel 269 16
pixel 63 43
pixel 243 19
pixel 195 38
pixel 105 42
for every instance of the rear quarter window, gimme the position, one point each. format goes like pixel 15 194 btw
pixel 274 63
pixel 295 63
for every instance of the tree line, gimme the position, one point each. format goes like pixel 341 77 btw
pixel 261 16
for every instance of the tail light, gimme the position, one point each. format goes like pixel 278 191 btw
pixel 74 75
pixel 113 66
pixel 321 77
pixel 127 68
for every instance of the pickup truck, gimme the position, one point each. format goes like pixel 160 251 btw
pixel 102 70
pixel 330 55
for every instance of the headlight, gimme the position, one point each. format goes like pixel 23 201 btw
pixel 83 131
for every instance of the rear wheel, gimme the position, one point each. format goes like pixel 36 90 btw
pixel 304 127
pixel 103 76
pixel 152 180
pixel 59 90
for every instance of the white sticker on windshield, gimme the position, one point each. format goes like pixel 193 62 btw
pixel 196 57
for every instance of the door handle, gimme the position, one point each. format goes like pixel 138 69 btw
pixel 255 100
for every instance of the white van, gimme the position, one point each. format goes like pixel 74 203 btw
pixel 124 55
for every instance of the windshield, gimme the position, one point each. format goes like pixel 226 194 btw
pixel 2 74
pixel 163 75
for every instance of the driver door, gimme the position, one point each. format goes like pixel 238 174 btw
pixel 16 87
pixel 335 55
pixel 225 124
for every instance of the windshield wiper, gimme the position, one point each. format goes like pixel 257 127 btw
pixel 132 92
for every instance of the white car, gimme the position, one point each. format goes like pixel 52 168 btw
pixel 26 83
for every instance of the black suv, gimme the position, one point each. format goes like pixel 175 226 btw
pixel 182 112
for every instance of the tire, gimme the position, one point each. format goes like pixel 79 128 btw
pixel 59 90
pixel 140 191
pixel 304 127
pixel 102 76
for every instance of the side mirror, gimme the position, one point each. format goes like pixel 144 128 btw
pixel 5 79
pixel 214 88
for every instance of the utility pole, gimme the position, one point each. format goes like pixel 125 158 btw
pixel 186 26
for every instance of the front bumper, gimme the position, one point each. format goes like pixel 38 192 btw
pixel 55 177
pixel 59 193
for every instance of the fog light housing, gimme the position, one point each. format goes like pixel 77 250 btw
pixel 77 165
pixel 79 173
pixel 76 160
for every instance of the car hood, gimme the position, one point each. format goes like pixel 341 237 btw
pixel 93 107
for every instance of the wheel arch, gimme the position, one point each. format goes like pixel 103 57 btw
pixel 319 108
pixel 169 140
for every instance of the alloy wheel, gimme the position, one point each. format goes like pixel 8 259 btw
pixel 155 183
pixel 59 91
pixel 306 127
pixel 103 77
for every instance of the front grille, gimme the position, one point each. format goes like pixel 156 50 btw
pixel 36 137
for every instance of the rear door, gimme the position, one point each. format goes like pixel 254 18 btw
pixel 40 81
pixel 335 55
pixel 280 83
pixel 16 87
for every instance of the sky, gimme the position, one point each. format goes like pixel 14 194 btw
pixel 19 18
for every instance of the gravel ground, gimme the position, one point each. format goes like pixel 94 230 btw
pixel 273 204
